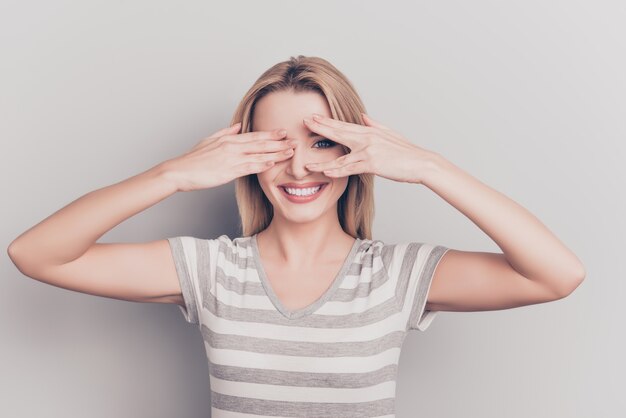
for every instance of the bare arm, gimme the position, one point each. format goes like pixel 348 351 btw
pixel 68 233
pixel 62 250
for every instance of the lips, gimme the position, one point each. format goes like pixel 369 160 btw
pixel 303 199
pixel 302 185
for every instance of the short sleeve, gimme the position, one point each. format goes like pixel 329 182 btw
pixel 415 264
pixel 191 258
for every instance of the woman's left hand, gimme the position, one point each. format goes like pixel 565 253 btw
pixel 374 148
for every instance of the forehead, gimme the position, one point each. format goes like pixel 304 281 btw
pixel 286 109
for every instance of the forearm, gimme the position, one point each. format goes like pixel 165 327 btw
pixel 68 233
pixel 530 248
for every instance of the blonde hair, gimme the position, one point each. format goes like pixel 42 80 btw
pixel 355 207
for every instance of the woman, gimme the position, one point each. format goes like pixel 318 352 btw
pixel 304 314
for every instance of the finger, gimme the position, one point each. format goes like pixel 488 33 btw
pixel 265 146
pixel 336 163
pixel 271 156
pixel 353 127
pixel 339 135
pixel 371 122
pixel 254 167
pixel 348 170
pixel 260 135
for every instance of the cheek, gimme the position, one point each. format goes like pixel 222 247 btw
pixel 334 153
pixel 339 185
pixel 267 180
pixel 263 180
pixel 266 176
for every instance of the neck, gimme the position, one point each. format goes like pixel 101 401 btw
pixel 301 244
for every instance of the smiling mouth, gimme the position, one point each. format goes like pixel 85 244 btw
pixel 302 191
pixel 306 194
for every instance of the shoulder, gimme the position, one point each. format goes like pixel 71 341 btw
pixel 370 246
pixel 232 249
pixel 369 252
pixel 221 244
pixel 402 247
pixel 380 247
pixel 408 252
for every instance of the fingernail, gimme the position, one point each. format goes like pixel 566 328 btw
pixel 282 132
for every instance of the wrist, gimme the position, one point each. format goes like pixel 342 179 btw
pixel 167 174
pixel 434 167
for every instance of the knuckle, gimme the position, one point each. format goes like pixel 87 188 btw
pixel 259 135
pixel 229 146
pixel 271 145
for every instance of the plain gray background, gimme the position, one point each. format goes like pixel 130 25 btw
pixel 527 96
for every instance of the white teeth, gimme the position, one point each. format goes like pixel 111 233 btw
pixel 303 192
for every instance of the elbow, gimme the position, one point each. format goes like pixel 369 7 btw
pixel 16 258
pixel 11 251
pixel 572 284
pixel 579 276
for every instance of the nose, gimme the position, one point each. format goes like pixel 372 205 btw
pixel 296 165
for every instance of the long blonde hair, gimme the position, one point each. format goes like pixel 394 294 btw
pixel 355 207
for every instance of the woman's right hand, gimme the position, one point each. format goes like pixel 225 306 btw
pixel 226 155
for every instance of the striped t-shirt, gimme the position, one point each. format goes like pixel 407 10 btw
pixel 337 357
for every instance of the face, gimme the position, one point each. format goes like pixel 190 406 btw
pixel 286 110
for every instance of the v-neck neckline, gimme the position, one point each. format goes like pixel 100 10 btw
pixel 313 306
